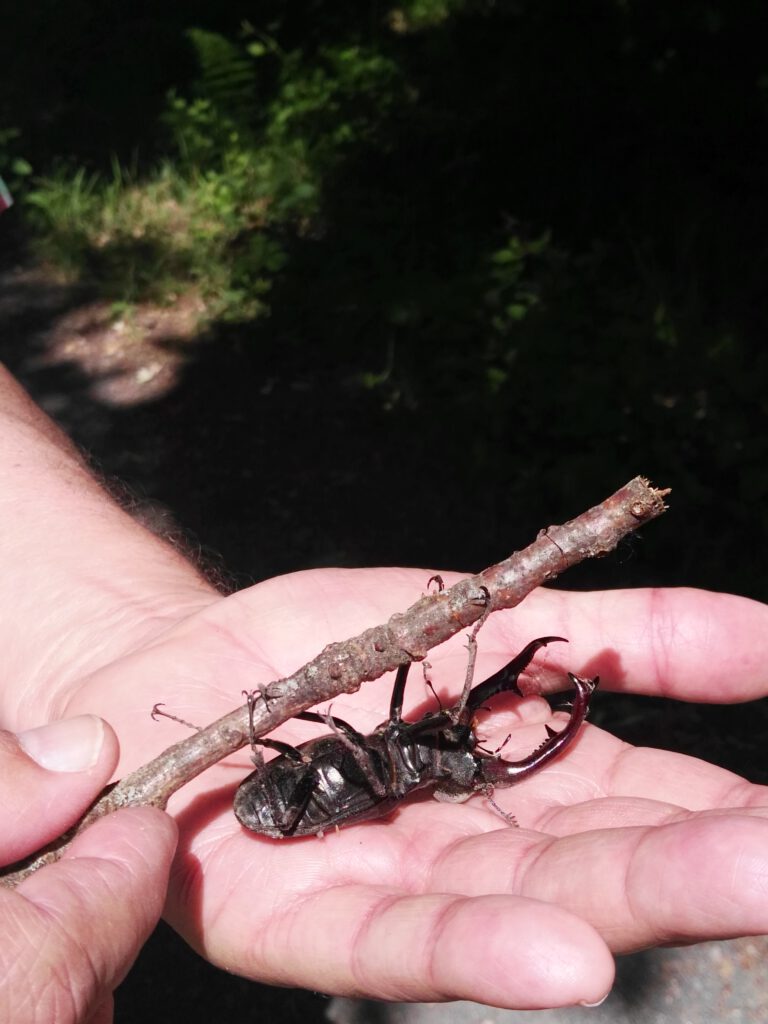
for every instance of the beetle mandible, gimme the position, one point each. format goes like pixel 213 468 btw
pixel 347 777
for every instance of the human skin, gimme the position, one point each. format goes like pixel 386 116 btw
pixel 618 848
pixel 69 935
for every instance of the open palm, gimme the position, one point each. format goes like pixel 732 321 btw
pixel 618 848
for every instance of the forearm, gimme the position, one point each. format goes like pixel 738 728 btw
pixel 80 578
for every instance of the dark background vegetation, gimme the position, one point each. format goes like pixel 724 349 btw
pixel 468 266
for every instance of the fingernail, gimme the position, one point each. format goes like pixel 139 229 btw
pixel 598 1003
pixel 71 745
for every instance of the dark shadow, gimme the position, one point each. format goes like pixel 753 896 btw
pixel 171 982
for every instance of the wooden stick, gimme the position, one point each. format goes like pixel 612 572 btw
pixel 343 667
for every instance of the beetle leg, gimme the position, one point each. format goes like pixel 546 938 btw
pixel 306 716
pixel 157 713
pixel 284 819
pixel 339 723
pixel 425 667
pixel 435 722
pixel 250 699
pixel 301 796
pixel 506 678
pixel 262 741
pixel 484 599
pixel 292 753
pixel 498 750
pixel 458 709
pixel 469 675
pixel 398 691
pixel 507 773
pixel 355 744
pixel 431 723
pixel 509 818
pixel 354 741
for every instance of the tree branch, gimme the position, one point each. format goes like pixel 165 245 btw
pixel 343 667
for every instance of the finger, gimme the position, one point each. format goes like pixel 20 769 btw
pixel 254 636
pixel 687 643
pixel 599 765
pixel 71 931
pixel 48 777
pixel 682 643
pixel 624 812
pixel 688 881
pixel 362 940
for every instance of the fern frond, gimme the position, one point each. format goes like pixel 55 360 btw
pixel 227 73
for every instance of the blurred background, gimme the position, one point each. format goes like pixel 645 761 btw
pixel 367 283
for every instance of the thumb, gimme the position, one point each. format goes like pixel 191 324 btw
pixel 69 933
pixel 48 778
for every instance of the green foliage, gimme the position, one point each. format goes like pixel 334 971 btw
pixel 414 15
pixel 513 291
pixel 64 207
pixel 243 179
pixel 227 74
pixel 14 169
pixel 147 238
pixel 558 247
pixel 201 133
pixel 340 98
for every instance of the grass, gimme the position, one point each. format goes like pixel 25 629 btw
pixel 147 239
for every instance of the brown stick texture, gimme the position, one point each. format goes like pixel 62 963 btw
pixel 343 667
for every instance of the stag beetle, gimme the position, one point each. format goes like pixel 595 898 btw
pixel 346 777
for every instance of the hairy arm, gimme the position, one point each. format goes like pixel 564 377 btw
pixel 82 582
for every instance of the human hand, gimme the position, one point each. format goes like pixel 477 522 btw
pixel 618 848
pixel 70 932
